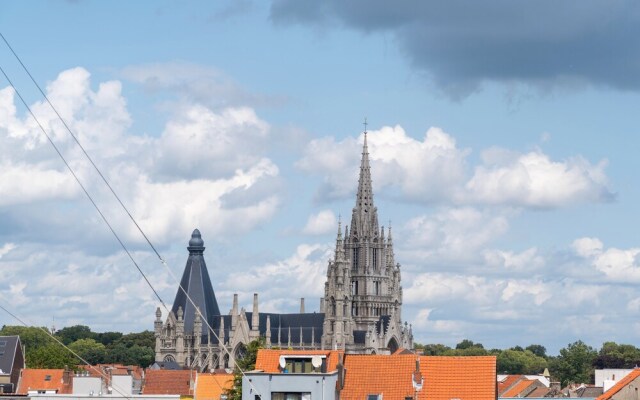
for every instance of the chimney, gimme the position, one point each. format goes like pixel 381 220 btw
pixel 302 305
pixel 66 376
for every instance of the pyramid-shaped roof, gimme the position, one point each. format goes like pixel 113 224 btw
pixel 197 284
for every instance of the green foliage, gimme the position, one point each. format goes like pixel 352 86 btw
pixel 434 349
pixel 142 339
pixel 90 350
pixel 134 355
pixel 574 364
pixel 245 363
pixel 51 356
pixel 466 344
pixel 538 350
pixel 613 355
pixel 106 338
pixel 31 337
pixel 70 334
pixel 514 361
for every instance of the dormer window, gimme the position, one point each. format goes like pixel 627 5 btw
pixel 374 396
pixel 304 364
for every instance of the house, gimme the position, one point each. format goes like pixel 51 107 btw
pixel 625 389
pixel 11 362
pixel 44 381
pixel 175 382
pixel 606 378
pixel 525 388
pixel 404 377
pixel 212 386
pixel 293 375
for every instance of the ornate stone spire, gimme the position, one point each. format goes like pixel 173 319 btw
pixel 364 221
pixel 339 256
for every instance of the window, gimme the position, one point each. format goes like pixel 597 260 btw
pixel 374 257
pixel 290 396
pixel 47 378
pixel 355 259
pixel 374 396
pixel 298 366
pixel 3 343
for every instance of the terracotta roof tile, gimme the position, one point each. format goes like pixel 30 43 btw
pixel 43 379
pixel 445 378
pixel 268 360
pixel 211 386
pixel 508 382
pixel 169 382
pixel 518 388
pixel 620 384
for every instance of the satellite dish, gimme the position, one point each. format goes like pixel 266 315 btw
pixel 316 361
pixel 283 362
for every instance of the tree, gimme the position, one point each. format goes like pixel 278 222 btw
pixel 143 339
pixel 51 356
pixel 70 334
pixel 90 350
pixel 613 355
pixel 134 355
pixel 538 350
pixel 574 364
pixel 520 362
pixel 245 363
pixel 466 343
pixel 106 338
pixel 435 349
pixel 31 337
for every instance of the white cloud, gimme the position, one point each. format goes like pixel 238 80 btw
pixel 619 265
pixel 434 169
pixel 321 223
pixel 4 250
pixel 207 169
pixel 301 275
pixel 526 261
pixel 452 233
pixel 534 180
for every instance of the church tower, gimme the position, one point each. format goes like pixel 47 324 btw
pixel 363 296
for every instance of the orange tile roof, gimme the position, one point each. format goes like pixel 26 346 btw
pixel 169 382
pixel 518 388
pixel 35 379
pixel 445 378
pixel 508 382
pixel 620 385
pixel 268 360
pixel 211 386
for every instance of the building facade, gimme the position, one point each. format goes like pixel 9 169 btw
pixel 360 311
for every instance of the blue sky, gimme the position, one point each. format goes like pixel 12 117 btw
pixel 503 141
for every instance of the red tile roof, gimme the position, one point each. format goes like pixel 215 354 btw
pixel 620 385
pixel 36 379
pixel 518 388
pixel 211 386
pixel 169 382
pixel 268 360
pixel 445 378
pixel 539 392
pixel 508 382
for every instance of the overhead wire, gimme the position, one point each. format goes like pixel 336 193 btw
pixel 86 154
pixel 101 373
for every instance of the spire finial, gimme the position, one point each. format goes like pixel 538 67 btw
pixel 365 125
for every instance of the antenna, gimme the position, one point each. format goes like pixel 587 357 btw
pixel 282 362
pixel 316 361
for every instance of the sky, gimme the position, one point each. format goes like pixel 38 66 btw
pixel 503 142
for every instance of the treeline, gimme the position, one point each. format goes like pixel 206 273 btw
pixel 42 351
pixel 575 363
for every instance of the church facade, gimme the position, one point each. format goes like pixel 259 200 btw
pixel 360 311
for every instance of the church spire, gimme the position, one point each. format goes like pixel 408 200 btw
pixel 364 222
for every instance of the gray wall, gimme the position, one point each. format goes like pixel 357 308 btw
pixel 321 386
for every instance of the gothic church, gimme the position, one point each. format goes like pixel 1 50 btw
pixel 360 311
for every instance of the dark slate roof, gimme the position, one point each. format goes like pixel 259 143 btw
pixel 8 348
pixel 281 324
pixel 359 336
pixel 170 365
pixel 196 282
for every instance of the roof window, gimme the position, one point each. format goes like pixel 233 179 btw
pixel 47 378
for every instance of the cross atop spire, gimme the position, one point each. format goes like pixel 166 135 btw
pixel 365 126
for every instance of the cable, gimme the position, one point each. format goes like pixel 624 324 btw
pixel 66 347
pixel 83 187
pixel 162 260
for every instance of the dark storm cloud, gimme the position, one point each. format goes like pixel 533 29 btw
pixel 461 44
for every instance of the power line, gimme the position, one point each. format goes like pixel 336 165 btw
pixel 162 260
